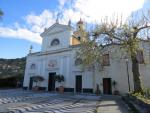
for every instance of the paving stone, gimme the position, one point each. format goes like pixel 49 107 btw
pixel 111 104
pixel 18 101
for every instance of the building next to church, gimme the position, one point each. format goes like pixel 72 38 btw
pixel 58 56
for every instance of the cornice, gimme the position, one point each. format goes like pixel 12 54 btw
pixel 50 52
pixel 48 31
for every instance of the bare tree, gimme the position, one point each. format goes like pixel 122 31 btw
pixel 127 34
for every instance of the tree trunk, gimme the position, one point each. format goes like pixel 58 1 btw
pixel 136 75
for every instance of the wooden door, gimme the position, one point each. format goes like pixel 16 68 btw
pixel 31 83
pixel 107 86
pixel 79 83
pixel 51 82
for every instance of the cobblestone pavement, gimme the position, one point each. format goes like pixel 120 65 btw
pixel 18 101
pixel 111 104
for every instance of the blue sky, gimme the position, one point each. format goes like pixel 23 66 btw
pixel 24 20
pixel 14 11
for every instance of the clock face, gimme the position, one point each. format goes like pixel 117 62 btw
pixel 52 63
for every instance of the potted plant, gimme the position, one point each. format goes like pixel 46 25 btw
pixel 37 79
pixel 116 92
pixel 60 79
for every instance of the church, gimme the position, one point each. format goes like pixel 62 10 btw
pixel 58 57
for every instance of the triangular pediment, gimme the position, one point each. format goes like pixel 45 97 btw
pixel 56 28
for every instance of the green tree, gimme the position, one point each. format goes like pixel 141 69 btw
pixel 1 13
pixel 37 79
pixel 126 34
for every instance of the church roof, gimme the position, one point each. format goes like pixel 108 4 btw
pixel 56 26
pixel 80 21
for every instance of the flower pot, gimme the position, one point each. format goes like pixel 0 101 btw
pixel 61 89
pixel 36 88
pixel 116 92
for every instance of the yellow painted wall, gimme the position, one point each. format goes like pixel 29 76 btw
pixel 74 41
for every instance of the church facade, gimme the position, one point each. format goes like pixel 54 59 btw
pixel 58 57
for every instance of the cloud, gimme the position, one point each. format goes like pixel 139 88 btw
pixel 32 28
pixel 70 14
pixel 20 34
pixel 94 10
pixel 62 3
pixel 90 11
pixel 39 22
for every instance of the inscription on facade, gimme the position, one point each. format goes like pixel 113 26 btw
pixel 52 64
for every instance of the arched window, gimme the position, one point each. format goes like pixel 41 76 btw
pixel 32 66
pixel 55 42
pixel 78 61
pixel 79 38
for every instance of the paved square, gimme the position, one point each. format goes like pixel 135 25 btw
pixel 18 101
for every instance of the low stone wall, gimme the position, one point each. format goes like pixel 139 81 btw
pixel 136 105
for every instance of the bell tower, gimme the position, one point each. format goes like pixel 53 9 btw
pixel 80 25
pixel 80 34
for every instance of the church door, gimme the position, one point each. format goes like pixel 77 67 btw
pixel 107 86
pixel 51 82
pixel 31 83
pixel 79 83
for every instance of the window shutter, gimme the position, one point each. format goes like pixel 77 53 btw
pixel 140 57
pixel 106 61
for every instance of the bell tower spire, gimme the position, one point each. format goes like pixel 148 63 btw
pixel 58 16
pixel 80 25
pixel 30 50
pixel 69 22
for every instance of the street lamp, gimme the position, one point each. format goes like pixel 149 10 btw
pixel 127 61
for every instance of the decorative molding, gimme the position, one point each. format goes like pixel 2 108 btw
pixel 56 25
pixel 52 69
pixel 55 32
pixel 50 52
pixel 52 64
pixel 33 66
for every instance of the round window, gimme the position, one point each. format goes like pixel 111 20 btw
pixel 55 42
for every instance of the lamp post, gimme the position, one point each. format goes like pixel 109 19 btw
pixel 127 61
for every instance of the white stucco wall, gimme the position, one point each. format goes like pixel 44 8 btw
pixel 63 36
pixel 145 68
pixel 65 56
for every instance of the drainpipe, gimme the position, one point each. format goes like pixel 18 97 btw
pixel 93 80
